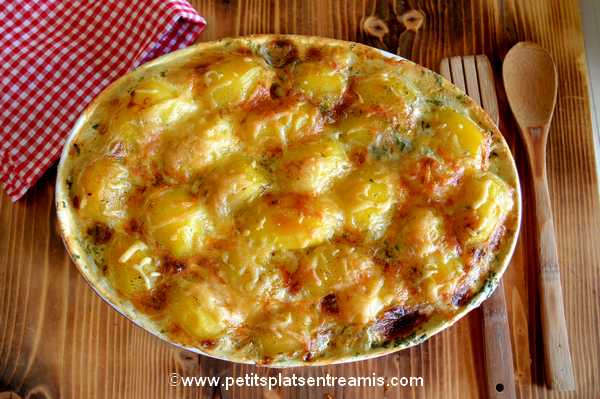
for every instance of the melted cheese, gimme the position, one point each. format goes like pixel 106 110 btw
pixel 425 242
pixel 131 268
pixel 458 138
pixel 329 268
pixel 282 331
pixel 234 184
pixel 368 197
pixel 101 189
pixel 201 308
pixel 386 93
pixel 177 221
pixel 294 205
pixel 291 221
pixel 324 79
pixel 484 202
pixel 234 80
pixel 276 128
pixel 209 141
pixel 312 167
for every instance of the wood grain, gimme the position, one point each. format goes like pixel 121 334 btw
pixel 57 339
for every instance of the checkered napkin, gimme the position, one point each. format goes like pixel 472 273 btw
pixel 58 55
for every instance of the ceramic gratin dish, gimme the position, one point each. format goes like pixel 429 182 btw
pixel 76 241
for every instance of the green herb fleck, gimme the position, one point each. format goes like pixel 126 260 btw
pixel 254 48
pixel 435 102
pixel 427 152
pixel 379 152
pixel 405 340
pixel 402 142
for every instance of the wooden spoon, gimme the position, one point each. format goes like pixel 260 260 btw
pixel 531 81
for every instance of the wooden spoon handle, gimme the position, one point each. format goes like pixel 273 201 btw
pixel 498 353
pixel 558 366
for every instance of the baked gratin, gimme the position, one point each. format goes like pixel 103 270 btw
pixel 288 200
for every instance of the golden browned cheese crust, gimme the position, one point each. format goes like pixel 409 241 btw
pixel 286 200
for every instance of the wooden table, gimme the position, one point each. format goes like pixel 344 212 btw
pixel 57 339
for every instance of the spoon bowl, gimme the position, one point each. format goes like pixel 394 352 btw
pixel 531 83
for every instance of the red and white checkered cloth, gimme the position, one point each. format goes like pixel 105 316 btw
pixel 58 55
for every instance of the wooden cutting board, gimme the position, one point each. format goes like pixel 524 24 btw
pixel 57 339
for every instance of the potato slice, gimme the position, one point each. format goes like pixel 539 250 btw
pixel 208 142
pixel 131 267
pixel 368 197
pixel 177 221
pixel 102 188
pixel 312 167
pixel 291 221
pixel 484 202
